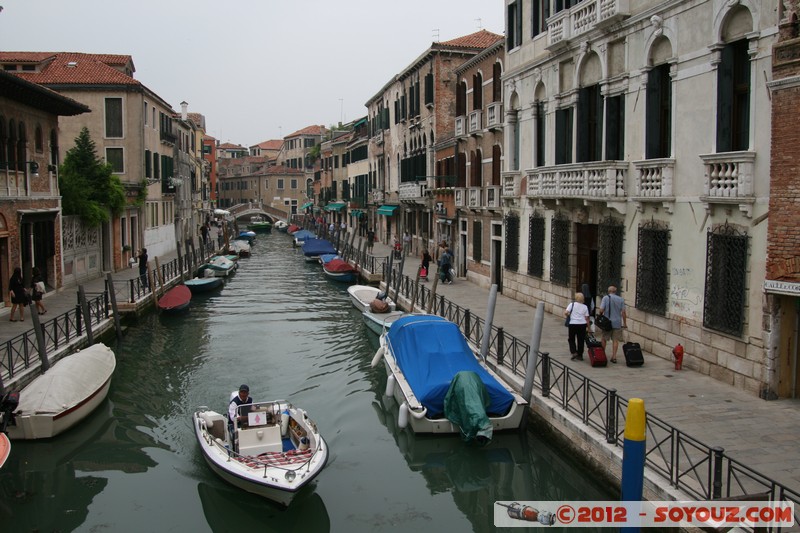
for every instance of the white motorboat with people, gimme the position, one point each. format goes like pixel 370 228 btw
pixel 64 395
pixel 271 448
pixel 363 295
pixel 440 382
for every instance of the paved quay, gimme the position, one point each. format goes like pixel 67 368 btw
pixel 762 435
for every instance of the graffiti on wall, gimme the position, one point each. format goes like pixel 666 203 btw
pixel 685 298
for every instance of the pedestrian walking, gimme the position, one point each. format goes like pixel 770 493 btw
pixel 16 291
pixel 446 266
pixel 370 239
pixel 143 268
pixel 613 306
pixel 426 262
pixel 577 322
pixel 37 290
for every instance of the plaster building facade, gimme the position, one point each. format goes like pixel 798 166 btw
pixel 132 128
pixel 30 202
pixel 253 179
pixel 479 157
pixel 637 154
pixel 410 119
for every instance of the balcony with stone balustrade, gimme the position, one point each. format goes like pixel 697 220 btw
pixel 728 180
pixel 582 18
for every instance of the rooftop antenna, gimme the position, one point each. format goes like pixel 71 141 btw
pixel 436 35
pixel 480 26
pixel 341 111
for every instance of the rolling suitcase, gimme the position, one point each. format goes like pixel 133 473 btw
pixel 633 354
pixel 597 356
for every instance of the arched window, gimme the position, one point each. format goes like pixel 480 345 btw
pixel 461 99
pixel 477 91
pixel 497 82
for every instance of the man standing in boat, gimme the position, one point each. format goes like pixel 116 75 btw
pixel 242 398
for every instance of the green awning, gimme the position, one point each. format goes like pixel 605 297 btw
pixel 358 213
pixel 387 210
pixel 306 205
pixel 334 207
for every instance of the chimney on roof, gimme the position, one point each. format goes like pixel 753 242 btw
pixel 184 113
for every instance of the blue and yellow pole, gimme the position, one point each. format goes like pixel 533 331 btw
pixel 633 453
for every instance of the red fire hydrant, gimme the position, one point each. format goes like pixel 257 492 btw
pixel 677 354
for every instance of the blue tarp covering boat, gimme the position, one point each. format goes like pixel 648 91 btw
pixel 304 234
pixel 317 247
pixel 430 351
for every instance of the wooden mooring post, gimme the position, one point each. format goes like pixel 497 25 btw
pixel 87 317
pixel 112 294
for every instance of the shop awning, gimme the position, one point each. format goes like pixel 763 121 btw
pixel 334 207
pixel 358 213
pixel 387 210
pixel 307 205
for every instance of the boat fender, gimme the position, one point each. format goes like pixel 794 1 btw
pixel 402 416
pixel 378 355
pixel 303 443
pixel 284 423
pixel 419 415
pixel 390 382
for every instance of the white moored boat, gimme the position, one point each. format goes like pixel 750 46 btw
pixel 363 295
pixel 378 323
pixel 275 454
pixel 64 395
pixel 440 382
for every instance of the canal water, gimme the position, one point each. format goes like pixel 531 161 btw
pixel 286 331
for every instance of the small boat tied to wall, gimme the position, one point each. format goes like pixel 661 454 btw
pixel 64 395
pixel 440 382
pixel 271 449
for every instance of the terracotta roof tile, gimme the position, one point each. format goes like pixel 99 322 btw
pixel 310 130
pixel 227 146
pixel 480 39
pixel 273 144
pixel 70 68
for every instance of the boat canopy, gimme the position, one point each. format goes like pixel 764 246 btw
pixel 430 351
pixel 175 297
pixel 304 234
pixel 317 247
pixel 339 266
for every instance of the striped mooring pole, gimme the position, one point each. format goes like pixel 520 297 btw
pixel 633 454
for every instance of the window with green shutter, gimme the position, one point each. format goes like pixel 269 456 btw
pixel 113 117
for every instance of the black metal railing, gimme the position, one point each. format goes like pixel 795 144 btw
pixel 21 352
pixel 688 464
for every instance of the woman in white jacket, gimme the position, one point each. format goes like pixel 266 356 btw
pixel 577 315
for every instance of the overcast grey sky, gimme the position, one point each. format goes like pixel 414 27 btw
pixel 257 69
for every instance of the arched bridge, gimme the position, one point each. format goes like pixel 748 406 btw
pixel 251 209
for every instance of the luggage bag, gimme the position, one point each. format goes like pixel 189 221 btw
pixel 633 354
pixel 597 356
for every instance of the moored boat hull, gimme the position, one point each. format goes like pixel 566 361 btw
pixel 363 295
pixel 199 285
pixel 412 413
pixel 380 322
pixel 38 417
pixel 5 448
